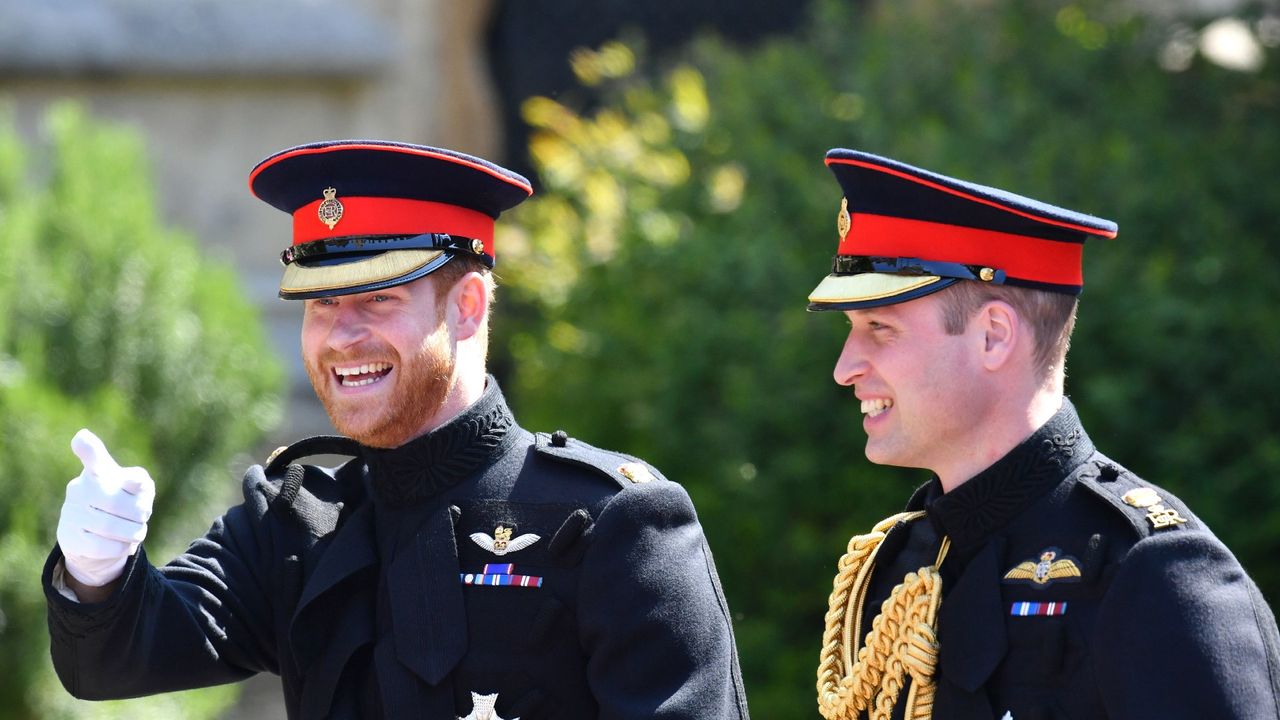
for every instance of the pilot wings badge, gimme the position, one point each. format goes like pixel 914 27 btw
pixel 502 543
pixel 1049 568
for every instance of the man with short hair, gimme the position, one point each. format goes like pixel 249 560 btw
pixel 458 566
pixel 1032 576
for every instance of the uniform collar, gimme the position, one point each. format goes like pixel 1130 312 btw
pixel 993 497
pixel 424 466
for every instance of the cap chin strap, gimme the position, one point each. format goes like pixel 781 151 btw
pixel 332 250
pixel 860 264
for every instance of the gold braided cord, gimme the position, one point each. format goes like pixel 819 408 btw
pixel 902 641
pixel 837 644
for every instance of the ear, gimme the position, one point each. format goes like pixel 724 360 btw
pixel 1002 333
pixel 469 305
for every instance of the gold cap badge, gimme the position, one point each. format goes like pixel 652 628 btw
pixel 330 211
pixel 843 221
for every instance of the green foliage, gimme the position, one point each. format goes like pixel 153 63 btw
pixel 113 322
pixel 655 290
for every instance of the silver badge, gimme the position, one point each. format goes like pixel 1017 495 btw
pixel 502 543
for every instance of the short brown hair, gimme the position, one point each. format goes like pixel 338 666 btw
pixel 453 271
pixel 1051 315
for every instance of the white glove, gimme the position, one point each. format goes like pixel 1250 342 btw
pixel 104 518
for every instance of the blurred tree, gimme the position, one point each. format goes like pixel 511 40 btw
pixel 655 292
pixel 114 322
pixel 529 39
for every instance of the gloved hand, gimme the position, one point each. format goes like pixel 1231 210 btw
pixel 104 518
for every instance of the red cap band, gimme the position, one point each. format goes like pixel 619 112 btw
pixel 392 216
pixel 1020 256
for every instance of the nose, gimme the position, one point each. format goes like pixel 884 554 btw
pixel 852 364
pixel 348 329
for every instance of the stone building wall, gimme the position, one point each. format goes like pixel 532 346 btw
pixel 216 85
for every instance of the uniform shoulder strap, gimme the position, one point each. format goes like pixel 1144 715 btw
pixel 1147 508
pixel 315 445
pixel 623 469
pixel 282 460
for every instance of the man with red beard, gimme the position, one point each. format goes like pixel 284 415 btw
pixel 458 566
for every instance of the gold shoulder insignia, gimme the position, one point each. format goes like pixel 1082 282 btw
pixel 1141 497
pixel 1158 515
pixel 635 472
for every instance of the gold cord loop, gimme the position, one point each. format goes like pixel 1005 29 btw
pixel 854 677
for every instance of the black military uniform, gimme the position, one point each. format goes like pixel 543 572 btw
pixel 478 570
pixel 379 590
pixel 1053 584
pixel 1074 589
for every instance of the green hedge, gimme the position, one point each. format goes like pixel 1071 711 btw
pixel 113 322
pixel 655 289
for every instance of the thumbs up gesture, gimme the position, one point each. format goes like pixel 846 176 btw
pixel 104 518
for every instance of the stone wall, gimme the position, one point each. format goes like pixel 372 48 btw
pixel 216 85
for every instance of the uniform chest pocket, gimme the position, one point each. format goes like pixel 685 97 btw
pixel 513 618
pixel 1045 673
pixel 1039 651
pixel 517 579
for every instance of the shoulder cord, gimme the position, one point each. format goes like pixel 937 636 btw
pixel 902 641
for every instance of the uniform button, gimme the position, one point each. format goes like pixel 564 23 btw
pixel 559 438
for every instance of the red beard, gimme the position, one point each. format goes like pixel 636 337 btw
pixel 421 384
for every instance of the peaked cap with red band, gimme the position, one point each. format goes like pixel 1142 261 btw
pixel 907 232
pixel 369 214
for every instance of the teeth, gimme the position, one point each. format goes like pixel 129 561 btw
pixel 346 372
pixel 874 407
pixel 363 369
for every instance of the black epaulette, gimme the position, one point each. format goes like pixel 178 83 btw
pixel 316 445
pixel 315 512
pixel 1147 508
pixel 623 469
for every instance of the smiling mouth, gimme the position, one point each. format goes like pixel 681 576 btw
pixel 872 408
pixel 360 375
